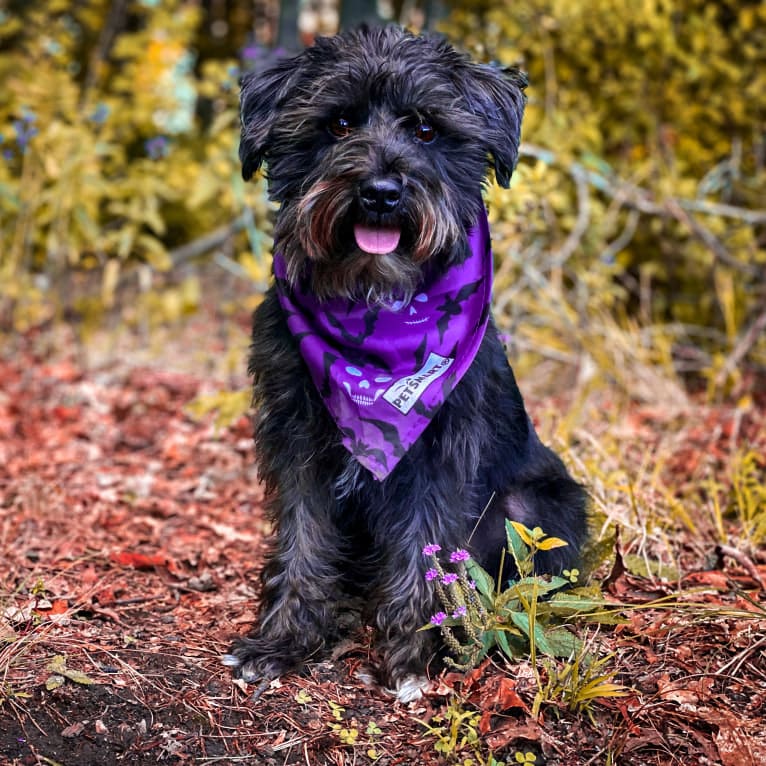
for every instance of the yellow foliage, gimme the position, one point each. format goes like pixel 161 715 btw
pixel 107 159
pixel 658 110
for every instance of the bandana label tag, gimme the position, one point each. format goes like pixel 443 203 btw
pixel 405 392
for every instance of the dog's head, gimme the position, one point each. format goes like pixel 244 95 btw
pixel 377 143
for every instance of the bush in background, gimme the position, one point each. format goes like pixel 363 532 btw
pixel 641 187
pixel 635 228
pixel 117 146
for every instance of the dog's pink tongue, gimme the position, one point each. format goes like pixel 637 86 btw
pixel 375 239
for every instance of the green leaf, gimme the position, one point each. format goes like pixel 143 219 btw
pixel 585 602
pixel 521 620
pixel 531 586
pixel 541 641
pixel 507 601
pixel 501 638
pixel 516 546
pixel 560 642
pixel 58 666
pixel 485 585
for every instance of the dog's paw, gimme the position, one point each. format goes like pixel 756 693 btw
pixel 255 660
pixel 249 671
pixel 410 688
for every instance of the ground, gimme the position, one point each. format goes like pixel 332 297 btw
pixel 131 535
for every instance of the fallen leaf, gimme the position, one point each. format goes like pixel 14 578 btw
pixel 738 748
pixel 54 681
pixel 73 731
pixel 58 666
pixel 499 694
pixel 509 730
pixel 139 560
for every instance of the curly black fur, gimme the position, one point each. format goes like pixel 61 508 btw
pixel 350 109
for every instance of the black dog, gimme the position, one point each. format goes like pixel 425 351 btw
pixel 388 417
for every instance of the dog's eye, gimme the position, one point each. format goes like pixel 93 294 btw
pixel 340 127
pixel 424 132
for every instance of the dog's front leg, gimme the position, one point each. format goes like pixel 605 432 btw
pixel 405 602
pixel 299 590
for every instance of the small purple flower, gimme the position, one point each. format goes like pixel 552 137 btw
pixel 25 130
pixel 438 618
pixel 431 550
pixel 459 555
pixel 251 53
pixel 156 147
pixel 431 574
pixel 459 612
pixel 472 584
pixel 449 578
pixel 100 114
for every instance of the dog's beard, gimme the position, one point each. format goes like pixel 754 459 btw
pixel 346 255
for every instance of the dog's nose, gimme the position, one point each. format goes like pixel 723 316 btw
pixel 380 195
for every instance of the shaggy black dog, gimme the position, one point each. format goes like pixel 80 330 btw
pixel 388 417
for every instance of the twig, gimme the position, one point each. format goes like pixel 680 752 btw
pixel 106 38
pixel 642 200
pixel 745 561
pixel 706 237
pixel 744 344
pixel 623 240
pixel 207 242
pixel 571 243
pixel 740 658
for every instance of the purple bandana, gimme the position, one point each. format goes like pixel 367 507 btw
pixel 383 372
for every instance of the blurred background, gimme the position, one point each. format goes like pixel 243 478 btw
pixel 631 247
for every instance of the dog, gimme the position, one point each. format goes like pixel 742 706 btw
pixel 387 416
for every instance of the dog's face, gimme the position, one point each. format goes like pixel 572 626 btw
pixel 377 143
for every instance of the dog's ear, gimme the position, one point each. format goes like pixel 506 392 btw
pixel 261 94
pixel 496 94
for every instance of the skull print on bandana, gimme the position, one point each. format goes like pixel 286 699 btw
pixel 383 372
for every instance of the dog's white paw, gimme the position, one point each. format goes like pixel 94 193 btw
pixel 410 688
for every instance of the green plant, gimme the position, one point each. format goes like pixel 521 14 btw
pixel 114 150
pixel 740 498
pixel 578 683
pixel 350 734
pixel 748 490
pixel 638 198
pixel 530 615
pixel 456 730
